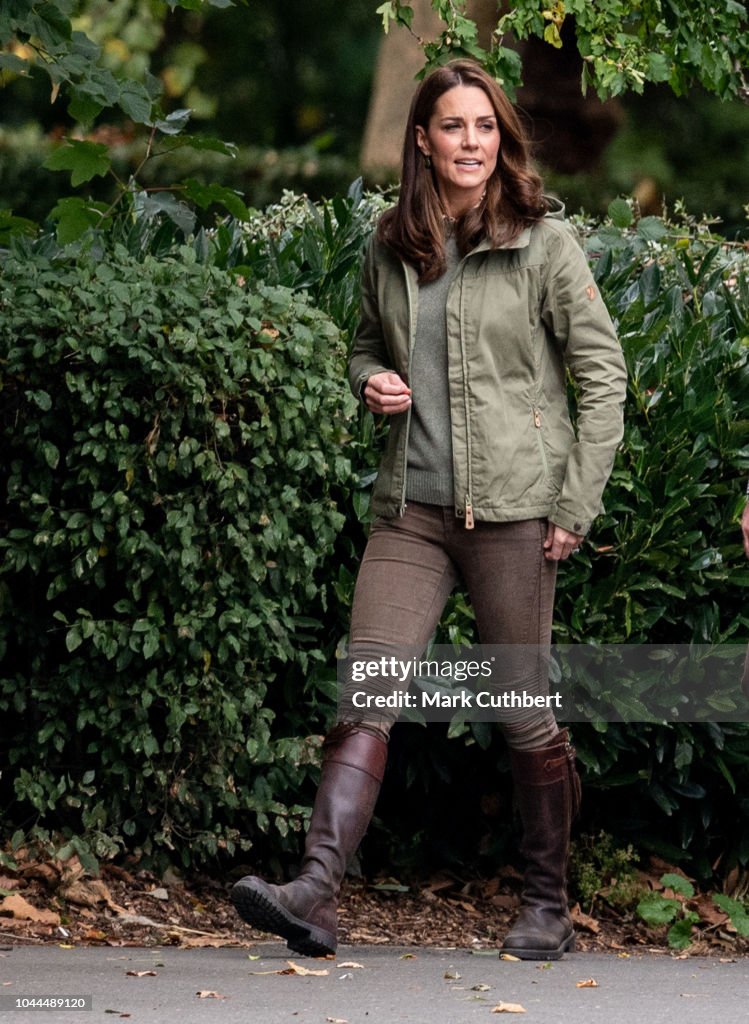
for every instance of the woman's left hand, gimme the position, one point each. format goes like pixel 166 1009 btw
pixel 560 544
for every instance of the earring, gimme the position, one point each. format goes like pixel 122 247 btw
pixel 427 161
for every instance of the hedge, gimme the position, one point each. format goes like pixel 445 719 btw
pixel 170 442
pixel 185 500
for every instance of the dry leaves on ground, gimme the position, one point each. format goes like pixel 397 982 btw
pixel 132 907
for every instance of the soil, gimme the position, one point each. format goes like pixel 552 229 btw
pixel 59 903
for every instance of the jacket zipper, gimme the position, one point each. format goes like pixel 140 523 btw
pixel 411 333
pixel 542 450
pixel 469 523
pixel 469 513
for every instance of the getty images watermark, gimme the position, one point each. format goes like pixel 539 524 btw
pixel 450 695
pixel 577 682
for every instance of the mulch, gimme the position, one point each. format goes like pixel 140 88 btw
pixel 54 902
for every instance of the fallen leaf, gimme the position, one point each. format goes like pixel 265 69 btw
pixel 708 911
pixel 141 974
pixel 296 969
pixel 407 956
pixel 350 964
pixel 505 901
pixel 441 883
pixel 336 1020
pixel 583 920
pixel 86 892
pixel 509 956
pixel 207 942
pixel 44 872
pixel 588 983
pixel 508 1008
pixel 158 894
pixel 452 976
pixel 481 988
pixel 17 907
pixel 205 994
pixel 70 868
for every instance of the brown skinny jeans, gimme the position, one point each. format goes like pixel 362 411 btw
pixel 410 566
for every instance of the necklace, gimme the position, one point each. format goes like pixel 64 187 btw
pixel 454 220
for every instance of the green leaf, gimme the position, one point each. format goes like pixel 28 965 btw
pixel 82 107
pixel 73 639
pixel 657 910
pixel 150 206
pixel 16 65
pixel 41 398
pixel 736 912
pixel 11 225
pixel 74 217
pixel 387 11
pixel 205 195
pixel 659 69
pixel 173 123
pixel 85 160
pixel 652 228
pixel 136 102
pixel 679 884
pixel 203 143
pixel 51 454
pixel 552 36
pixel 620 213
pixel 680 933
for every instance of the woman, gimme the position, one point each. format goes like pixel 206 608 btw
pixel 476 300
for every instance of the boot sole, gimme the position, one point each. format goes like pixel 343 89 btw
pixel 261 910
pixel 566 946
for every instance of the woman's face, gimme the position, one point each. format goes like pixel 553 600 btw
pixel 462 139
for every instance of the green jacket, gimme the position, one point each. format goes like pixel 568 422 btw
pixel 516 318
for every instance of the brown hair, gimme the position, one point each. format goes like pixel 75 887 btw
pixel 415 228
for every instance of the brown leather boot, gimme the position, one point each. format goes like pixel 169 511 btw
pixel 304 911
pixel 547 789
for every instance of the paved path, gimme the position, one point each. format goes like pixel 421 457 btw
pixel 414 986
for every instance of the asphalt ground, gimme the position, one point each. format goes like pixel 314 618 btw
pixel 367 985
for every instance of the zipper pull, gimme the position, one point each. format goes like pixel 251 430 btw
pixel 537 418
pixel 469 513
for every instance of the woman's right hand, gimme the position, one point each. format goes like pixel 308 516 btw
pixel 386 393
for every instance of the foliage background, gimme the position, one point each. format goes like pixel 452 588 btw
pixel 185 488
pixel 290 87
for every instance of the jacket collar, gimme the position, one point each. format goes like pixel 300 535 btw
pixel 555 212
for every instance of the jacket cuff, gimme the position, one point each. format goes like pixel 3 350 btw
pixel 357 384
pixel 569 521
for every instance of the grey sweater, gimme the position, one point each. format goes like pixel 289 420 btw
pixel 430 457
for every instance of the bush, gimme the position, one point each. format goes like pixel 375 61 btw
pixel 171 441
pixel 664 564
pixel 153 423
